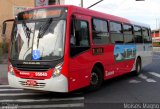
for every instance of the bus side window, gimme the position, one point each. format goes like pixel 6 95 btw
pixel 138 34
pixel 128 33
pixel 100 33
pixel 146 35
pixel 79 38
pixel 116 32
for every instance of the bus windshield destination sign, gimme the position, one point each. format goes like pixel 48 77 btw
pixel 39 14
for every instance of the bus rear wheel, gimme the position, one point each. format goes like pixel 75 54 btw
pixel 96 79
pixel 138 66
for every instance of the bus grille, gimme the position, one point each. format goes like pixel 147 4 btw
pixel 39 68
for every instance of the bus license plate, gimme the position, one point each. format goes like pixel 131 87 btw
pixel 31 83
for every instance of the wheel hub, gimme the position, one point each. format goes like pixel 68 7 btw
pixel 94 79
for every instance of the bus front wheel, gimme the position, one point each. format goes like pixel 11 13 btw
pixel 96 79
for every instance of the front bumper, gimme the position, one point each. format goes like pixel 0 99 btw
pixel 54 84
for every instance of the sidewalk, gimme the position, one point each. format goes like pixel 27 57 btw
pixel 3 59
pixel 3 74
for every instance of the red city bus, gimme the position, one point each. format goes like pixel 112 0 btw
pixel 64 48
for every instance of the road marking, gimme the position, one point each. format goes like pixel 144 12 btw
pixel 35 103
pixel 1 90
pixel 155 58
pixel 18 94
pixel 151 80
pixel 134 81
pixel 142 76
pixel 4 86
pixel 42 100
pixel 52 106
pixel 155 74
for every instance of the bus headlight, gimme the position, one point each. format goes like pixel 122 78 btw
pixel 11 69
pixel 57 70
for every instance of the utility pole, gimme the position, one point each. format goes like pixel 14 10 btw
pixel 82 3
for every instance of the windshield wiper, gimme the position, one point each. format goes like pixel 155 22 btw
pixel 43 29
pixel 27 31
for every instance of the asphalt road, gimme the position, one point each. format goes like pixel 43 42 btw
pixel 125 92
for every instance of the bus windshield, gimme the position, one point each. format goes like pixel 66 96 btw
pixel 38 39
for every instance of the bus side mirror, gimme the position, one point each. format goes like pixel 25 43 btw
pixel 5 26
pixel 4 29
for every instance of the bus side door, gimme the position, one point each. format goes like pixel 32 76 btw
pixel 80 61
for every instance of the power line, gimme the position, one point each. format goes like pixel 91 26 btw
pixel 95 4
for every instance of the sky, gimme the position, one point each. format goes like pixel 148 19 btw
pixel 147 11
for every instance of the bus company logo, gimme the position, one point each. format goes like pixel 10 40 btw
pixel 24 73
pixel 109 73
pixel 33 63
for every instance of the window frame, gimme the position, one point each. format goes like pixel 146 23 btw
pixel 79 49
pixel 116 23
pixel 89 42
pixel 148 35
pixel 107 32
pixel 136 35
pixel 132 33
pixel 127 25
pixel 121 33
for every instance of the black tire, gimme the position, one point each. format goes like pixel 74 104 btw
pixel 96 79
pixel 138 66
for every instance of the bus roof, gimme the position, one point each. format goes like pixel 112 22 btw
pixel 84 11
